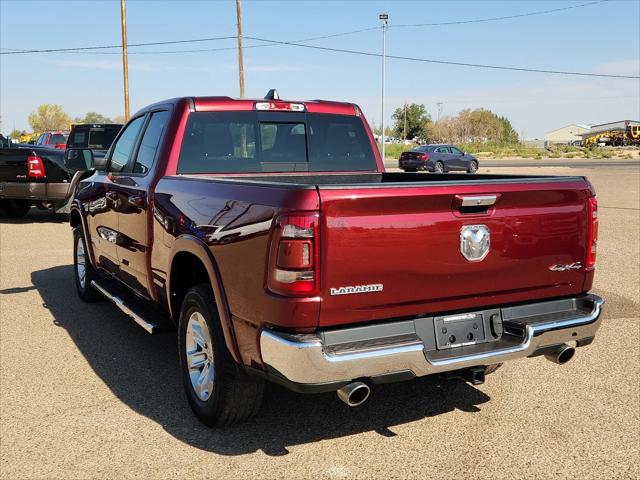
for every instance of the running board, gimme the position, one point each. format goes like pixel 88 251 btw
pixel 118 302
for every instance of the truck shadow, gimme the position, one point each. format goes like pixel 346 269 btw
pixel 142 371
pixel 37 216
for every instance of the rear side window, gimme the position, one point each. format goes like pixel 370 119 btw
pixel 227 142
pixel 124 146
pixel 78 138
pixel 149 143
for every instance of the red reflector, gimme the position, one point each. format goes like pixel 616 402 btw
pixel 593 234
pixel 294 254
pixel 35 167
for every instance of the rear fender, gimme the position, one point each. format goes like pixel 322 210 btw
pixel 76 218
pixel 194 246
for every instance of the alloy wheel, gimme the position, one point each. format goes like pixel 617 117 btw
pixel 200 356
pixel 81 266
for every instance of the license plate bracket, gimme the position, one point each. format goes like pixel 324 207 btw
pixel 459 330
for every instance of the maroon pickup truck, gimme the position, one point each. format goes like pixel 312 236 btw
pixel 270 234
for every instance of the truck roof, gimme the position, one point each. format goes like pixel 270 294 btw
pixel 221 103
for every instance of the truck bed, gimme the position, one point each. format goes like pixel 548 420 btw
pixel 416 219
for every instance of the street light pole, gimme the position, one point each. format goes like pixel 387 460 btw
pixel 240 56
pixel 384 17
pixel 125 61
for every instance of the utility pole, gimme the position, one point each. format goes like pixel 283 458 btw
pixel 385 18
pixel 125 61
pixel 240 57
pixel 404 134
pixel 439 104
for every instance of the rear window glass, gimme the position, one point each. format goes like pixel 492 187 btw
pixel 227 142
pixel 97 138
pixel 57 138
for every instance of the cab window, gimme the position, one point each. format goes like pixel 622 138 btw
pixel 123 148
pixel 149 143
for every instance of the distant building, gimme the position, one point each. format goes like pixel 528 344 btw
pixel 566 135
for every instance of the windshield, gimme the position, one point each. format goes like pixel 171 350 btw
pixel 227 142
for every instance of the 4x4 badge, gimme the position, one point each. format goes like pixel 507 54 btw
pixel 559 267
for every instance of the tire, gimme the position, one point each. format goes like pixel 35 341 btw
pixel 220 393
pixel 83 284
pixel 438 167
pixel 14 208
pixel 473 167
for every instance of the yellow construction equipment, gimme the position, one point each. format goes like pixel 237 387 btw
pixel 615 138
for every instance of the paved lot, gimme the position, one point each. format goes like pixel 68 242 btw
pixel 85 393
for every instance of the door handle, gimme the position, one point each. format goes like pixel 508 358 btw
pixel 474 204
pixel 476 200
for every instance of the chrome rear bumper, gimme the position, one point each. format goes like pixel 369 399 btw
pixel 307 359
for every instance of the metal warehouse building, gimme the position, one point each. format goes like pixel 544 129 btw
pixel 566 135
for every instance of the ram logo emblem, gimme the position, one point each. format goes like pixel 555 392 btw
pixel 475 241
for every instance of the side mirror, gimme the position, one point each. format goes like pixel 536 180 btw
pixel 79 159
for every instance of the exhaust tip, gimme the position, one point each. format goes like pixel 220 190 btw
pixel 354 394
pixel 562 355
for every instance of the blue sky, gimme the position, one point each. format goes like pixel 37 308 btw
pixel 602 38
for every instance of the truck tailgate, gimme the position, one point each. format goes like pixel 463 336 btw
pixel 13 164
pixel 392 251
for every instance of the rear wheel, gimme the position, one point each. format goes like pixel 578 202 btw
pixel 84 272
pixel 219 392
pixel 438 167
pixel 14 208
pixel 473 167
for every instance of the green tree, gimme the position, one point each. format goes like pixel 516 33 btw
pixel 93 117
pixel 49 117
pixel 414 116
pixel 16 133
pixel 507 133
pixel 119 119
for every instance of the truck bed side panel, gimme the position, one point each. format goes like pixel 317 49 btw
pixel 234 221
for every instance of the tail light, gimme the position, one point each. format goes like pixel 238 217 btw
pixel 60 146
pixel 294 257
pixel 423 156
pixel 35 167
pixel 593 233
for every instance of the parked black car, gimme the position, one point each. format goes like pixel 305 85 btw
pixel 439 158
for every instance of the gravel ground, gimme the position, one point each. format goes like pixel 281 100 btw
pixel 85 393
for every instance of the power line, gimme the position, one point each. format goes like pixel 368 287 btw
pixel 103 47
pixel 493 19
pixel 445 62
pixel 11 51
